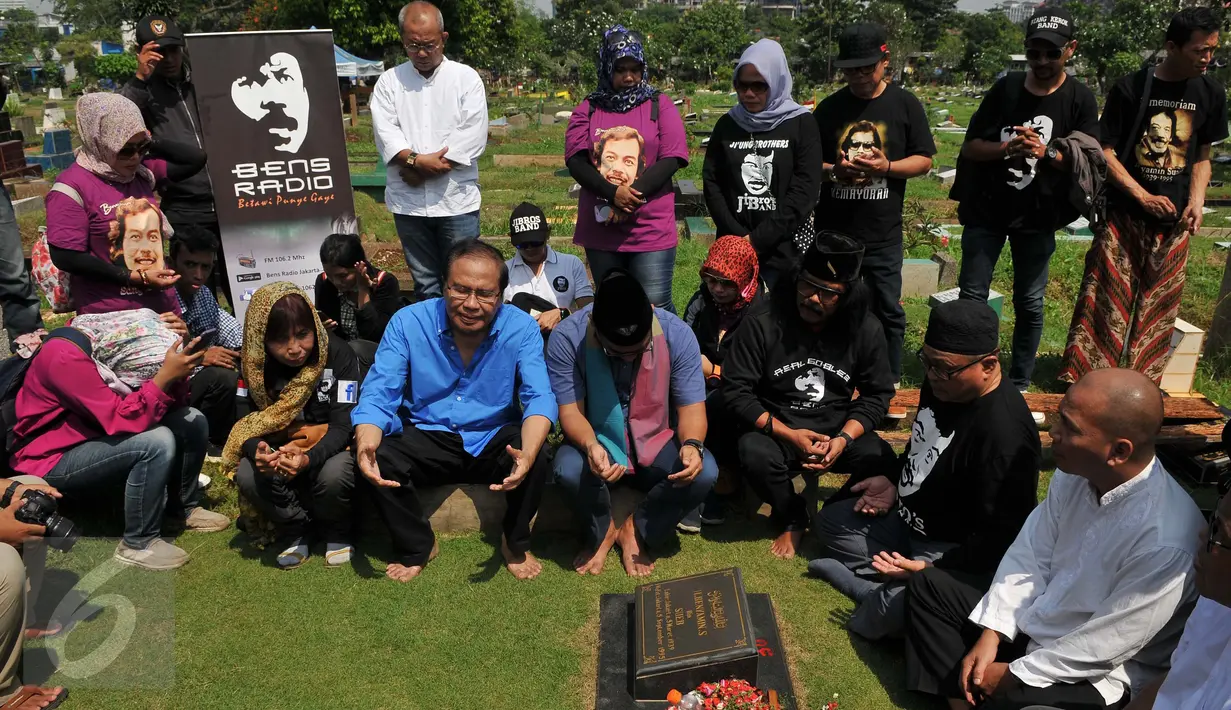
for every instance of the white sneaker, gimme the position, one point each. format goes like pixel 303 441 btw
pixel 203 520
pixel 337 554
pixel 203 481
pixel 158 555
pixel 1039 418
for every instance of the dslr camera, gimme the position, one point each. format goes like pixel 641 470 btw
pixel 38 508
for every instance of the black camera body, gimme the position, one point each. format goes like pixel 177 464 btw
pixel 38 508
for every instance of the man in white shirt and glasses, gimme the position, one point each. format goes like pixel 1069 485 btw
pixel 429 116
pixel 1085 600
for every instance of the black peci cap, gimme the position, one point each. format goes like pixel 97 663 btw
pixel 834 257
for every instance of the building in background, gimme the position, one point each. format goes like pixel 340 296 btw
pixel 1018 11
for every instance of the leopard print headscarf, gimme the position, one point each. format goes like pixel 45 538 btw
pixel 734 259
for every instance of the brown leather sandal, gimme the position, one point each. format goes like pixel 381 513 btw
pixel 27 698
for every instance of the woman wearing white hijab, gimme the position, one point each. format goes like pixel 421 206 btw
pixel 763 164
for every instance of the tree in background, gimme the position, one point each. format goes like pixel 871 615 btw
pixel 930 18
pixel 79 51
pixel 21 36
pixel 191 15
pixel 903 36
pixel 821 23
pixel 712 38
pixel 990 39
pixel 116 67
pixel 1112 36
pixel 950 51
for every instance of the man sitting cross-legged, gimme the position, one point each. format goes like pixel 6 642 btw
pixel 439 407
pixel 622 372
pixel 960 492
pixel 1084 598
pixel 791 377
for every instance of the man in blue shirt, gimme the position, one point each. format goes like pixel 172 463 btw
pixel 439 407
pixel 623 373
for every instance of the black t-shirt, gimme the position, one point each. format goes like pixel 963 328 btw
pixel 763 185
pixel 970 474
pixel 1181 116
pixel 1011 193
pixel 896 123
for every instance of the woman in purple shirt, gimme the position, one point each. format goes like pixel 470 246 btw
pixel 83 208
pixel 623 145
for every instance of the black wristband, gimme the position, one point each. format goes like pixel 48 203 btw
pixel 8 494
pixel 768 429
pixel 849 439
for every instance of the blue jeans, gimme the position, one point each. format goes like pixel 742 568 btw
pixel 17 294
pixel 652 269
pixel 1032 252
pixel 656 517
pixel 426 242
pixel 161 466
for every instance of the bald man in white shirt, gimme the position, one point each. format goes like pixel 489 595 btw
pixel 1086 598
pixel 429 117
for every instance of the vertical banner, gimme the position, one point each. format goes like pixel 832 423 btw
pixel 270 114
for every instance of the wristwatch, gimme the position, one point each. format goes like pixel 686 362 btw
pixel 1052 153
pixel 410 159
pixel 849 439
pixel 696 444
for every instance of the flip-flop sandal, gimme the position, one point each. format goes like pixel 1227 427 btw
pixel 293 556
pixel 53 628
pixel 29 692
pixel 337 554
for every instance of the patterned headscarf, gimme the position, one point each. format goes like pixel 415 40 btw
pixel 277 415
pixel 734 259
pixel 131 344
pixel 618 43
pixel 106 122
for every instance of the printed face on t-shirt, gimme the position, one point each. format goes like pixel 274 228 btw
pixel 619 158
pixel 861 144
pixel 757 172
pixel 1161 146
pixel 141 240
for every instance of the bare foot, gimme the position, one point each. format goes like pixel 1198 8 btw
pixel 637 562
pixel 785 544
pixel 592 562
pixel 402 573
pixel 523 565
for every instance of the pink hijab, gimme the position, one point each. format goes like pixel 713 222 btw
pixel 106 122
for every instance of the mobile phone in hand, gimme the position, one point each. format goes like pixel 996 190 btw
pixel 207 340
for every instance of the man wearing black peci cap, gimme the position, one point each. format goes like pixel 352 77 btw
pixel 874 137
pixel 627 377
pixel 1005 174
pixel 791 377
pixel 543 282
pixel 956 497
pixel 163 90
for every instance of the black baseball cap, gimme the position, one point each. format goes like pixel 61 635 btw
pixel 1050 24
pixel 860 45
pixel 159 29
pixel 528 225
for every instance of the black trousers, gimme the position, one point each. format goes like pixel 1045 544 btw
pixel 882 272
pixel 212 391
pixel 318 498
pixel 771 465
pixel 939 634
pixel 365 352
pixel 420 459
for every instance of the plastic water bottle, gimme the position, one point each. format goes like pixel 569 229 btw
pixel 692 701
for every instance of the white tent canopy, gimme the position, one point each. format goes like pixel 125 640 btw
pixel 349 65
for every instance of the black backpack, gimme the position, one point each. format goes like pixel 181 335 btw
pixel 13 375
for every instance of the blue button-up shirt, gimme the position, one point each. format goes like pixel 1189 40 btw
pixel 418 377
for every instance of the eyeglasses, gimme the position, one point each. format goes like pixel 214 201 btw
pixel 1215 527
pixel 865 70
pixel 648 347
pixel 756 87
pixel 132 149
pixel 416 47
pixel 713 281
pixel 808 289
pixel 1052 53
pixel 944 375
pixel 462 294
pixel 529 245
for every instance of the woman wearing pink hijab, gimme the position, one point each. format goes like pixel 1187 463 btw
pixel 117 161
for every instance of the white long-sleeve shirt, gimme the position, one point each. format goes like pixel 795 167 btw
pixel 447 109
pixel 1093 581
pixel 1200 675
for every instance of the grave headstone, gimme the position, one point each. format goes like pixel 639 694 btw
pixel 995 299
pixel 55 94
pixel 25 124
pixel 919 277
pixel 53 117
pixel 948 269
pixel 29 205
pixel 1182 357
pixel 546 119
pixel 519 120
pixel 57 141
pixel 563 115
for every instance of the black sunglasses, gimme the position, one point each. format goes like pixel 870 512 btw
pixel 1215 527
pixel 950 374
pixel 1052 53
pixel 529 245
pixel 756 87
pixel 131 149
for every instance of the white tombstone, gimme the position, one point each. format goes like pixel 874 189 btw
pixel 55 94
pixel 53 118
